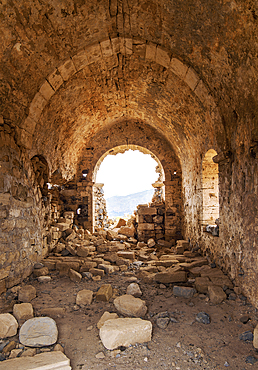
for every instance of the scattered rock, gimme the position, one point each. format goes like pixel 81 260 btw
pixel 244 319
pixel 134 289
pixel 29 352
pixel 151 243
pixel 125 332
pixel 9 347
pixel 246 336
pixel 100 355
pixel 84 297
pixel 185 292
pixel 216 294
pixel 251 360
pixel 58 347
pixel 203 318
pixel 15 352
pixel 8 325
pixel 106 316
pixel 44 279
pixel 75 276
pixel 162 322
pixel 104 293
pixel 38 332
pixel 23 312
pixel 130 306
pixel 41 272
pixel 27 293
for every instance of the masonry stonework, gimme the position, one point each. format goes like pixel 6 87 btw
pixel 81 78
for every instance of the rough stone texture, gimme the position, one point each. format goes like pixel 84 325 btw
pixel 255 340
pixel 27 293
pixel 8 325
pixel 179 95
pixel 125 332
pixel 75 276
pixel 38 332
pixel 134 289
pixel 23 312
pixel 130 306
pixel 216 294
pixel 46 361
pixel 104 293
pixel 84 297
pixel 185 292
pixel 106 316
pixel 171 277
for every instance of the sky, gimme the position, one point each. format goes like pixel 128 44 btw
pixel 127 173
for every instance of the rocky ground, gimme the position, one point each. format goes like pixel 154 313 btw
pixel 221 337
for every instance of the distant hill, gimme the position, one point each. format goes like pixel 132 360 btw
pixel 118 206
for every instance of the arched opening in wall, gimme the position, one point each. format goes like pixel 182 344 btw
pixel 210 192
pixel 125 176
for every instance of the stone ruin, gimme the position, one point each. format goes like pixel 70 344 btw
pixel 83 79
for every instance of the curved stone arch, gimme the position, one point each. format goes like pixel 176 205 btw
pixel 98 51
pixel 123 149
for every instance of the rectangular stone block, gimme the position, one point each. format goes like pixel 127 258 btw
pixel 67 69
pixel 191 78
pixel 55 79
pixel 171 277
pixel 151 52
pixel 125 332
pixel 162 57
pixel 178 68
pixel 106 48
pixel 104 293
pixel 147 211
pixel 145 226
pixel 43 361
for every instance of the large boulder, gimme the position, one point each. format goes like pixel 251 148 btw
pixel 130 306
pixel 125 332
pixel 38 332
pixel 8 325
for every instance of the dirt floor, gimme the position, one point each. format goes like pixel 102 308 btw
pixel 184 344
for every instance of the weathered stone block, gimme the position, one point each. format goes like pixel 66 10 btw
pixel 127 231
pixel 134 290
pixel 67 69
pixel 84 297
pixel 104 293
pixel 106 316
pixel 178 68
pixel 255 339
pixel 8 325
pixel 74 276
pixel 23 312
pixel 47 361
pixel 87 266
pixel 109 269
pixel 41 272
pixel 216 294
pixel 82 251
pixel 130 306
pixel 126 254
pixel 97 272
pixel 171 277
pixel 202 283
pixel 27 293
pixel 125 332
pixel 182 291
pixel 191 78
pixel 162 57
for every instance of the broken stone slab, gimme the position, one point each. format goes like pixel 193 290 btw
pixel 64 267
pixel 106 316
pixel 27 293
pixel 84 297
pixel 47 361
pixel 87 266
pixel 97 272
pixel 222 281
pixel 171 277
pixel 184 292
pixel 134 289
pixel 8 325
pixel 75 276
pixel 38 332
pixel 82 251
pixel 109 269
pixel 202 283
pixel 127 231
pixel 125 332
pixel 41 272
pixel 130 306
pixel 216 294
pixel 126 254
pixel 104 293
pixel 23 312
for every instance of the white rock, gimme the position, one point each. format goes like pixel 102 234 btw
pixel 130 306
pixel 125 332
pixel 134 289
pixel 38 332
pixel 8 325
pixel 106 316
pixel 44 279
